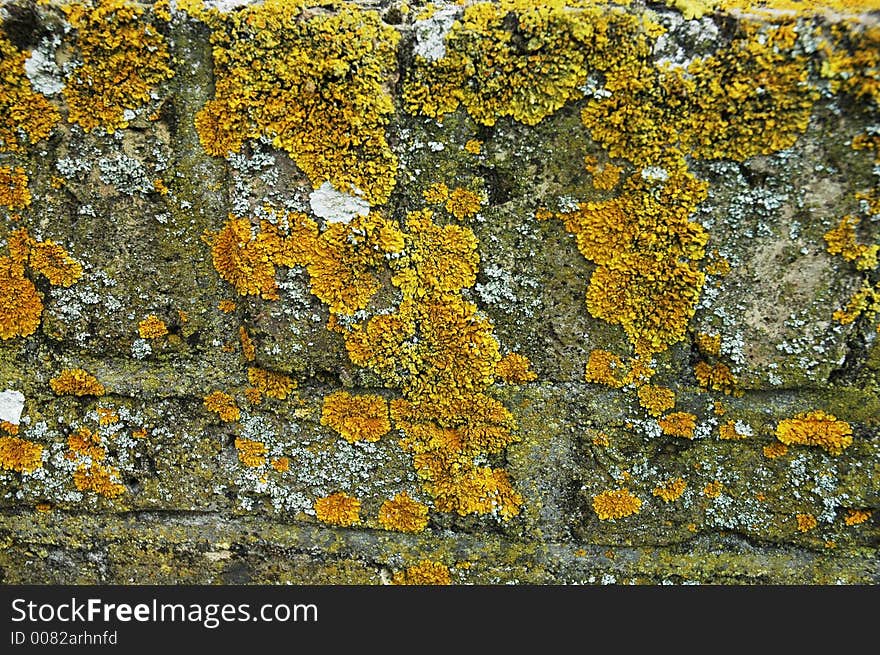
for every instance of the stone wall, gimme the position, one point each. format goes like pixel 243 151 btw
pixel 337 292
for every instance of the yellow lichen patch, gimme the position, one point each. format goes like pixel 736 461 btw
pixel 436 194
pixel 20 455
pixel 423 573
pixel 271 383
pixel 708 344
pixel 463 203
pixel 281 464
pixel 25 116
pixel 713 489
pixel 243 261
pixel 8 428
pixel 152 327
pixel 678 424
pixel 601 440
pixel 656 399
pixel 86 443
pixel 857 516
pixel 616 504
pixel 251 453
pixel 254 396
pixel 606 368
pixel 403 514
pixel 248 350
pixel 43 507
pixel 728 431
pixel 338 509
pixel 356 418
pixel 473 146
pixel 52 261
pixel 842 241
pixel 514 368
pixel 124 58
pixel 774 450
pixel 670 490
pixel 717 377
pixel 280 65
pixel 816 428
pixel 76 382
pixel 14 192
pixel 224 405
pixel 864 302
pixel 605 176
pixel 103 480
pixel 20 304
pixel 806 522
pixel 226 306
pixel 107 416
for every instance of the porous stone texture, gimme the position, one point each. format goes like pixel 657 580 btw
pixel 441 164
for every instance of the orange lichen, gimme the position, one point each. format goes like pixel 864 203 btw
pixel 26 117
pixel 463 203
pixel 842 241
pixel 616 504
pixel 602 440
pixel 14 192
pixel 224 405
pixel 708 344
pixel 403 514
pixel 76 382
pixel 271 383
pixel 514 368
pixel 278 65
pixel 605 368
pixel 20 304
pixel 816 428
pixel 226 306
pixel 806 522
pixel 713 489
pixel 857 516
pixel 670 490
pixel 605 176
pixel 717 377
pixel 678 424
pixel 356 418
pixel 774 450
pixel 107 416
pixel 20 455
pixel 152 327
pixel 103 480
pixel 281 464
pixel 86 443
pixel 248 350
pixel 52 261
pixel 9 428
pixel 656 399
pixel 251 453
pixel 338 509
pixel 436 194
pixel 124 57
pixel 728 432
pixel 423 573
pixel 473 146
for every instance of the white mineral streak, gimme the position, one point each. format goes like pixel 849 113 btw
pixel 335 206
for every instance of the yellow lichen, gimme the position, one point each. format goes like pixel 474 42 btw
pixel 338 509
pixel 85 443
pixel 864 302
pixel 14 193
pixel 806 522
pixel 514 368
pixel 473 146
pixel 605 176
pixel 152 327
pixel 103 480
pixel 76 382
pixel 271 383
pixel 248 350
pixel 26 117
pixel 423 573
pixel 713 489
pixel 224 405
pixel 616 504
pixel 717 377
pixel 52 261
pixel 226 306
pixel 356 418
pixel 842 241
pixel 708 344
pixel 602 440
pixel 463 203
pixel 251 453
pixel 436 194
pixel 678 424
pixel 606 368
pixel 728 431
pixel 774 450
pixel 279 65
pixel 403 514
pixel 670 490
pixel 20 455
pixel 281 464
pixel 124 58
pixel 816 428
pixel 857 516
pixel 656 399
pixel 107 416
pixel 20 306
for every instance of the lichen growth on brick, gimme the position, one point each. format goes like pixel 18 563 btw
pixel 14 193
pixel 76 382
pixel 271 383
pixel 616 504
pixel 424 573
pixel 26 117
pixel 223 405
pixel 656 400
pixel 678 424
pixel 20 455
pixel 152 327
pixel 250 452
pixel 403 514
pixel 671 490
pixel 806 522
pixel 515 368
pixel 816 428
pixel 338 509
pixel 356 418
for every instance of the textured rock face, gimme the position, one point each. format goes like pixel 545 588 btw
pixel 476 293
